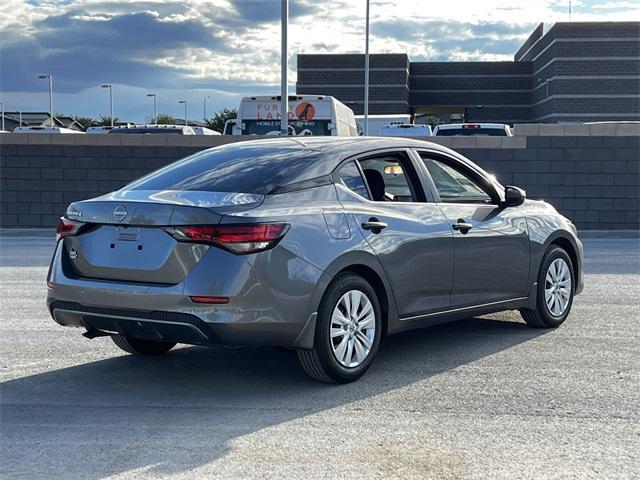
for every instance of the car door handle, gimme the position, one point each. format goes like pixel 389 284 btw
pixel 462 226
pixel 374 225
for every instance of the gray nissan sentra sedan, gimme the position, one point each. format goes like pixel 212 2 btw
pixel 323 245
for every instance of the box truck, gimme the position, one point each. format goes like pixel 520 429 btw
pixel 308 115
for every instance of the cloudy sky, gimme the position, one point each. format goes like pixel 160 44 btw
pixel 191 49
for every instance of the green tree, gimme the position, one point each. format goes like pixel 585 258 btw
pixel 431 120
pixel 86 122
pixel 219 119
pixel 105 121
pixel 165 119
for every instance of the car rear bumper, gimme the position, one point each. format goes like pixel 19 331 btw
pixel 150 325
pixel 261 308
pixel 178 327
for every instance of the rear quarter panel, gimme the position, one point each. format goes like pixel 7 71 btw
pixel 322 241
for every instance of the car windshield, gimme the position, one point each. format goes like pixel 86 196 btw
pixel 492 132
pixel 257 170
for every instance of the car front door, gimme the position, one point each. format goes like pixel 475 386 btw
pixel 409 234
pixel 491 242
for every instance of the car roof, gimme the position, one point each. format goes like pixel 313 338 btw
pixel 329 144
pixel 330 151
pixel 277 164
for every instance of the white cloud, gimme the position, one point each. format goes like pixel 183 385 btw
pixel 234 46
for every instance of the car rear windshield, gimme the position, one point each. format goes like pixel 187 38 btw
pixel 492 132
pixel 237 169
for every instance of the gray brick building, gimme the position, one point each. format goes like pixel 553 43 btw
pixel 574 72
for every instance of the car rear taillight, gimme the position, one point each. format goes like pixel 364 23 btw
pixel 237 238
pixel 67 228
pixel 195 234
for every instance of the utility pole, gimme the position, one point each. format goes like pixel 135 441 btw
pixel 205 107
pixel 49 77
pixel 108 85
pixel 284 66
pixel 366 75
pixel 185 111
pixel 155 107
pixel 569 10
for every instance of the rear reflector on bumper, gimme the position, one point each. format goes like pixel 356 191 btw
pixel 216 300
pixel 237 238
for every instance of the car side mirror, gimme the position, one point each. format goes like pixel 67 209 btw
pixel 514 196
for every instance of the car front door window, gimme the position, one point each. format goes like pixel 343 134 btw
pixel 389 178
pixel 453 185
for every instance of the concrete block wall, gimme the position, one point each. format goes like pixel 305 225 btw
pixel 594 181
pixel 590 173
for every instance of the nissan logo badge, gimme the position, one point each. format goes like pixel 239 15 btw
pixel 119 213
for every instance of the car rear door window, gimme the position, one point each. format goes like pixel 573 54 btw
pixel 349 175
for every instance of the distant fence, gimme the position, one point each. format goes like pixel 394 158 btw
pixel 588 172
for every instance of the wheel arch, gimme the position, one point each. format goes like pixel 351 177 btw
pixel 372 277
pixel 566 244
pixel 367 266
pixel 565 241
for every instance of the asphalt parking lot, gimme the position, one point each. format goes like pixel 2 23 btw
pixel 480 398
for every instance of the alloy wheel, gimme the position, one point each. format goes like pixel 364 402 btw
pixel 557 287
pixel 353 328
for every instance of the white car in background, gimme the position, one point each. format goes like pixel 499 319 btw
pixel 204 131
pixel 228 126
pixel 377 122
pixel 471 129
pixel 101 130
pixel 153 130
pixel 45 130
pixel 406 130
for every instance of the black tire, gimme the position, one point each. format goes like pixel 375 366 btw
pixel 320 362
pixel 137 346
pixel 541 317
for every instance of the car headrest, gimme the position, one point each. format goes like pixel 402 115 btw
pixel 376 184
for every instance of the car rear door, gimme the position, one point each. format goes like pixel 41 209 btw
pixel 409 234
pixel 491 242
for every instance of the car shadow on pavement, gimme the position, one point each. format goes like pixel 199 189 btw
pixel 173 414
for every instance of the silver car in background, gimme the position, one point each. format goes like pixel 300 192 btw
pixel 324 245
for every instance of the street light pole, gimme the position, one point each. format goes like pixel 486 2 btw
pixel 50 78
pixel 108 85
pixel 185 111
pixel 366 75
pixel 155 107
pixel 205 107
pixel 284 67
pixel 2 103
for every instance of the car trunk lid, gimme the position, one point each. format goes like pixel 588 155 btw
pixel 125 237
